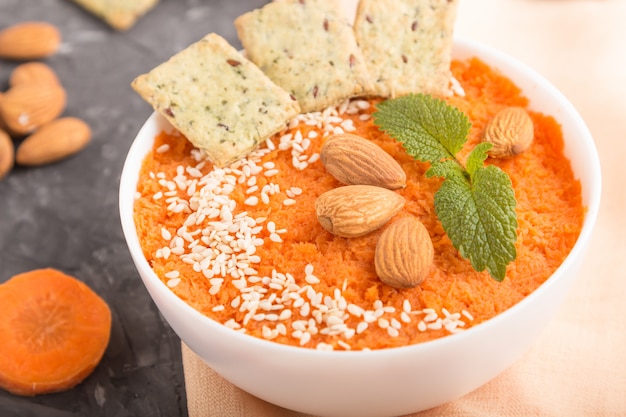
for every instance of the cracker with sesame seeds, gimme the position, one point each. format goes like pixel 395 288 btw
pixel 407 44
pixel 308 48
pixel 119 14
pixel 217 98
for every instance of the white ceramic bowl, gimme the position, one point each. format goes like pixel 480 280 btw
pixel 391 381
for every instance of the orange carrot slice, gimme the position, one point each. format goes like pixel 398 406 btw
pixel 53 332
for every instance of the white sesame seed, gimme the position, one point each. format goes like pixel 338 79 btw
pixel 314 158
pixel 297 147
pixel 361 327
pixel 344 345
pixel 324 347
pixel 281 329
pixel 172 274
pixel 468 315
pixel 436 325
pixel 289 202
pixel 312 279
pixel 251 201
pixel 369 316
pixel 296 190
pixel 163 148
pixel 232 324
pixel 306 337
pixel 431 317
pixel 165 234
pixel 285 314
pixel 173 282
pixel 270 172
pixel 178 250
pixel 271 317
pixel 348 125
pixel 305 309
pixel 405 317
pixel 194 172
pixel 362 104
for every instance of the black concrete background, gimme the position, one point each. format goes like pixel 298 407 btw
pixel 65 215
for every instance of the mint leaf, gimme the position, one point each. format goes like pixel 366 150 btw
pixel 477 157
pixel 475 203
pixel 449 169
pixel 428 128
pixel 479 217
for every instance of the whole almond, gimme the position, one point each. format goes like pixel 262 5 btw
pixel 354 160
pixel 25 107
pixel 54 141
pixel 356 210
pixel 6 153
pixel 510 131
pixel 33 73
pixel 29 40
pixel 404 253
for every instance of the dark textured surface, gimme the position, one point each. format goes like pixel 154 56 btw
pixel 65 215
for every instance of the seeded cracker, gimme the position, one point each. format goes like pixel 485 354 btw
pixel 407 44
pixel 217 98
pixel 307 47
pixel 119 14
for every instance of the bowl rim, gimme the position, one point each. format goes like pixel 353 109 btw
pixel 128 188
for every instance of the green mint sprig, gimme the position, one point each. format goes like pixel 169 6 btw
pixel 475 203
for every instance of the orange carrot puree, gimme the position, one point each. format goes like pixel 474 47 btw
pixel 549 208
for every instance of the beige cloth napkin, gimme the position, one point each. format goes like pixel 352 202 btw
pixel 578 366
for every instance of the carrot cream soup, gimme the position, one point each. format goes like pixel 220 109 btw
pixel 243 245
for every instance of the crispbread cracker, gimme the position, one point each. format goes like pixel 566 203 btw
pixel 407 44
pixel 119 14
pixel 218 99
pixel 308 48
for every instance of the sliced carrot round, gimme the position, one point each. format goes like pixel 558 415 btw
pixel 53 332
